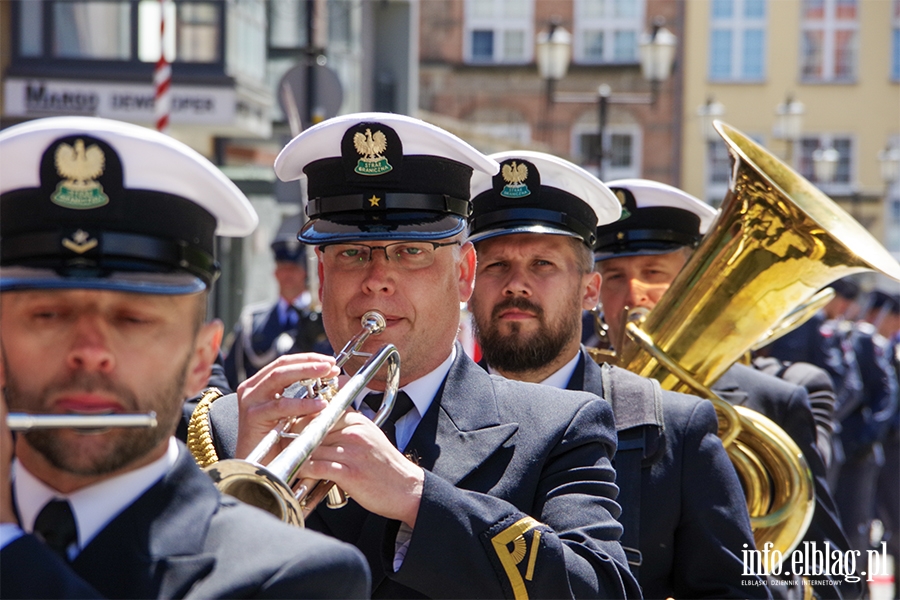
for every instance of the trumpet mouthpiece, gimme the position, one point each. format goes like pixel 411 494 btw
pixel 374 322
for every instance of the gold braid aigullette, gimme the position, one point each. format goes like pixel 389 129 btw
pixel 199 436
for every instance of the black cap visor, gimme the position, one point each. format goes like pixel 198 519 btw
pixel 27 278
pixel 355 227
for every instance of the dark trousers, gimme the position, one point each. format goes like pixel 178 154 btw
pixel 855 495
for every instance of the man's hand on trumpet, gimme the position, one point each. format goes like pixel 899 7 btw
pixel 260 400
pixel 355 454
pixel 7 513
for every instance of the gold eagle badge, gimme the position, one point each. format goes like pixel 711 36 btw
pixel 371 146
pixel 514 175
pixel 79 167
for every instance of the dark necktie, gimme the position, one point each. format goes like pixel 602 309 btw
pixel 55 524
pixel 291 316
pixel 402 405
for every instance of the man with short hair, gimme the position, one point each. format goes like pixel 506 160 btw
pixel 683 510
pixel 494 488
pixel 106 261
pixel 638 257
pixel 267 330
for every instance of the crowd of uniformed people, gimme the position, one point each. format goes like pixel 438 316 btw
pixel 540 471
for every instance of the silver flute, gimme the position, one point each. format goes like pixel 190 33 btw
pixel 29 422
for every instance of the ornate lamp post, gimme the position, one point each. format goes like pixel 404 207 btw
pixel 825 162
pixel 789 124
pixel 709 112
pixel 554 53
pixel 656 50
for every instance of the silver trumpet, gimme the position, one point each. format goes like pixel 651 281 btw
pixel 275 487
pixel 31 422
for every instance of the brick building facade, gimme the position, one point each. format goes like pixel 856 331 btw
pixel 477 66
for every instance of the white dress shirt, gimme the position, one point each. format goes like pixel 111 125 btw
pixel 422 392
pixel 560 379
pixel 94 506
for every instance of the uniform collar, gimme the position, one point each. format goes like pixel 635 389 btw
pixel 423 390
pixel 94 506
pixel 558 379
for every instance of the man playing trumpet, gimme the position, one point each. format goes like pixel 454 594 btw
pixel 494 488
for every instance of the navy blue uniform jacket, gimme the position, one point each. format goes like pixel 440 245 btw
pixel 518 496
pixel 183 539
pixel 693 522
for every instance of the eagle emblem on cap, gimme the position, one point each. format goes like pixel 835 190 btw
pixel 372 147
pixel 79 166
pixel 514 175
pixel 623 200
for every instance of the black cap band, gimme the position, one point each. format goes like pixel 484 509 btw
pixel 514 217
pixel 653 229
pixel 375 200
pixel 108 252
pixel 328 178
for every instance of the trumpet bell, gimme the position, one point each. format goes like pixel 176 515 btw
pixel 257 486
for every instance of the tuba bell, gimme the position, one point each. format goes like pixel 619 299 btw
pixel 776 242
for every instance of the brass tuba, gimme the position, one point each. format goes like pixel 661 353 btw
pixel 275 487
pixel 775 243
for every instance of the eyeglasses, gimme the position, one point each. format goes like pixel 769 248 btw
pixel 408 255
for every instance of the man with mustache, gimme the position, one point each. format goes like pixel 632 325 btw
pixel 533 225
pixel 106 264
pixel 638 257
pixel 479 487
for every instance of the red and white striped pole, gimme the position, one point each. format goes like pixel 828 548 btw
pixel 162 78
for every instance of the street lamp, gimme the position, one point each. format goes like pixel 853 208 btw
pixel 825 162
pixel 656 50
pixel 554 52
pixel 789 124
pixel 708 113
pixel 889 159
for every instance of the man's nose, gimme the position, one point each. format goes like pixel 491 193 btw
pixel 517 284
pixel 638 294
pixel 380 272
pixel 90 348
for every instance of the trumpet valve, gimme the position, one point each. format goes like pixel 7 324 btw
pixel 337 498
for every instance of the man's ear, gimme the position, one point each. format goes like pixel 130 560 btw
pixel 320 269
pixel 467 264
pixel 591 296
pixel 206 349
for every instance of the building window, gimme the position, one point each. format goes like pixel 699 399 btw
pixel 829 40
pixel 843 175
pixel 192 31
pixel 737 40
pixel 31 26
pixel 718 171
pixel 895 40
pixel 92 30
pixel 607 31
pixel 499 31
pixel 112 31
pixel 287 23
pixel 621 150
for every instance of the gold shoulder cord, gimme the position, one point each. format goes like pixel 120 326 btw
pixel 199 436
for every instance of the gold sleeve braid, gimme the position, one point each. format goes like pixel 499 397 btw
pixel 199 436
